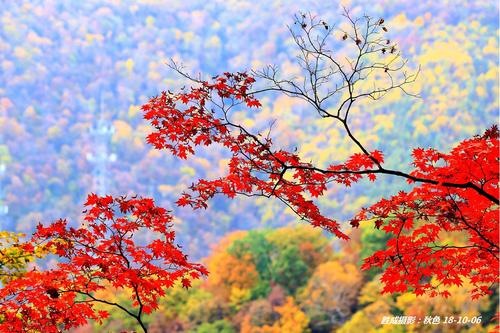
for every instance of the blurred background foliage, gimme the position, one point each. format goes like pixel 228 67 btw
pixel 289 280
pixel 73 77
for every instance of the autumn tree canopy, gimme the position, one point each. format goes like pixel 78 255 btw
pixel 100 254
pixel 442 232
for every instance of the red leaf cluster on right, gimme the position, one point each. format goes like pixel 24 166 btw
pixel 441 235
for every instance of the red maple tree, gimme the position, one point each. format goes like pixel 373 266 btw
pixel 102 253
pixel 443 232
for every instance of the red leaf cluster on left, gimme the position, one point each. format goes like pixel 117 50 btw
pixel 102 252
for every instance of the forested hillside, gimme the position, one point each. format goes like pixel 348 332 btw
pixel 74 74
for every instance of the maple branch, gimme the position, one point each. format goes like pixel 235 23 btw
pixel 298 92
pixel 398 251
pixel 313 37
pixel 475 246
pixel 464 220
pixel 333 83
pixel 310 45
pixel 89 295
pixel 382 170
pixel 137 316
pixel 141 306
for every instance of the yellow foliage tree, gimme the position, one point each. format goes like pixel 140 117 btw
pixel 123 131
pixel 13 257
pixel 330 294
pixel 291 320
pixel 375 306
pixel 230 275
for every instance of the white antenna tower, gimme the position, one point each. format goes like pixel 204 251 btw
pixel 101 132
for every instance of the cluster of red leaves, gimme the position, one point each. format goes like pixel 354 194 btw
pixel 442 235
pixel 457 192
pixel 99 254
pixel 182 121
pixel 187 119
